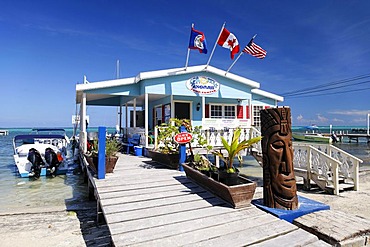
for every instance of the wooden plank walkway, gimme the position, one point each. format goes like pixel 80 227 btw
pixel 145 204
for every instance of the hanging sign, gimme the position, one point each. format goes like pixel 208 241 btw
pixel 182 138
pixel 202 85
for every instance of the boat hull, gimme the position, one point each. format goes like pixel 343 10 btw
pixel 311 138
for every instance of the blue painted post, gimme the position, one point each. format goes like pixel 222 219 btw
pixel 182 151
pixel 101 153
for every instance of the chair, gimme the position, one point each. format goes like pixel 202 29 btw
pixel 131 142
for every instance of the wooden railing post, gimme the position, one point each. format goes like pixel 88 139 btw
pixel 308 166
pixel 356 178
pixel 335 170
pixel 182 150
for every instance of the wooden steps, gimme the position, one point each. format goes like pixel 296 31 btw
pixel 322 183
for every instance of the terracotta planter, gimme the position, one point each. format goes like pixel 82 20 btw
pixel 238 196
pixel 110 163
pixel 93 162
pixel 169 160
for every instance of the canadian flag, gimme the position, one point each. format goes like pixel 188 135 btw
pixel 229 41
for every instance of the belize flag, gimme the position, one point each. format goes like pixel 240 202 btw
pixel 198 41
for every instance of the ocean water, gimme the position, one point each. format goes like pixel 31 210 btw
pixel 20 194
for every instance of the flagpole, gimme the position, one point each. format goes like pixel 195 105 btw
pixel 241 53
pixel 214 47
pixel 187 56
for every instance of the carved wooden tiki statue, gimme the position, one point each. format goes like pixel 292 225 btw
pixel 279 184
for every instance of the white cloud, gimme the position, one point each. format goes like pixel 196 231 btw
pixel 322 119
pixel 350 112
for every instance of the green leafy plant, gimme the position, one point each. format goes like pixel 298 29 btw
pixel 234 148
pixel 112 146
pixel 166 132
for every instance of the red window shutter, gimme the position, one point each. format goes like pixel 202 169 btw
pixel 247 111
pixel 207 111
pixel 239 111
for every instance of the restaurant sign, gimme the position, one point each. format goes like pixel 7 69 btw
pixel 202 85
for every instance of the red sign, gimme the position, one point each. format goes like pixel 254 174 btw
pixel 183 138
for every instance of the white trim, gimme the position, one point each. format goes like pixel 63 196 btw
pixel 267 94
pixel 165 73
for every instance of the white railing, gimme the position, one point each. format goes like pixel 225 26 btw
pixel 213 137
pixel 312 160
pixel 328 162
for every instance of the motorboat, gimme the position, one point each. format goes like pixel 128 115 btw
pixel 312 134
pixel 38 155
pixel 312 137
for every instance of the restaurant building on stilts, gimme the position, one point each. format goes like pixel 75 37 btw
pixel 206 95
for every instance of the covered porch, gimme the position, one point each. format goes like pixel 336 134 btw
pixel 207 97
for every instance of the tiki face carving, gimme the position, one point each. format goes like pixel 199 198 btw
pixel 280 189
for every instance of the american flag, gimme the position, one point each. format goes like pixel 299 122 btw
pixel 255 50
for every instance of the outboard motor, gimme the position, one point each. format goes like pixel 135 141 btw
pixel 35 158
pixel 52 160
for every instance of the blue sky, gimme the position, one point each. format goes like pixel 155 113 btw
pixel 46 47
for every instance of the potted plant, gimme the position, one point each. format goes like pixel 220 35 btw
pixel 230 173
pixel 112 147
pixel 202 164
pixel 167 151
pixel 238 193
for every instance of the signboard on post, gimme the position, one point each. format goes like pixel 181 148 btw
pixel 76 119
pixel 183 137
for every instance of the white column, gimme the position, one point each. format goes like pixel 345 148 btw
pixel 120 117
pixel 146 119
pixel 172 107
pixel 244 111
pixel 126 120
pixel 134 115
pixel 83 133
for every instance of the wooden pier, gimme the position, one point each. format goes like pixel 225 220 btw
pixel 145 204
pixel 353 136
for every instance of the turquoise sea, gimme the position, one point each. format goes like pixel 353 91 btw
pixel 19 194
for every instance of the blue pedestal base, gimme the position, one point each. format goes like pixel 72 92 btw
pixel 305 206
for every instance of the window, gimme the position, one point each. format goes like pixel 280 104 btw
pixel 229 111
pixel 222 111
pixel 216 111
pixel 257 115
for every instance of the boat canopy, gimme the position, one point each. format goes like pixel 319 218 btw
pixel 49 130
pixel 37 136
